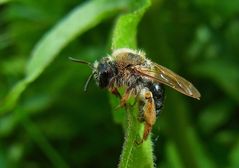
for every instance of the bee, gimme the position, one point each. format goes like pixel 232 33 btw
pixel 141 78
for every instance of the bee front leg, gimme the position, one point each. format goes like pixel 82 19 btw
pixel 149 112
pixel 115 91
pixel 125 97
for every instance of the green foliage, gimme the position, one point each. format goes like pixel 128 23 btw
pixel 57 38
pixel 48 121
pixel 214 71
pixel 3 1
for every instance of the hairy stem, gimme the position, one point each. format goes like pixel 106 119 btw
pixel 133 154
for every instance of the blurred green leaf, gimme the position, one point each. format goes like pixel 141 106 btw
pixel 173 155
pixel 233 157
pixel 226 137
pixel 4 1
pixel 69 28
pixel 15 153
pixel 56 39
pixel 11 99
pixel 7 124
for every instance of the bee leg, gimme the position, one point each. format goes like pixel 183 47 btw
pixel 115 91
pixel 149 112
pixel 125 97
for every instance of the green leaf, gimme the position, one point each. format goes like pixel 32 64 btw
pixel 124 36
pixel 70 27
pixel 4 1
pixel 125 33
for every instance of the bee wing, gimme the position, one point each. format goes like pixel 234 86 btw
pixel 169 78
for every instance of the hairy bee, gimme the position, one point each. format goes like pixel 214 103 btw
pixel 141 78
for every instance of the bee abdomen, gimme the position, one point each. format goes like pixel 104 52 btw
pixel 158 95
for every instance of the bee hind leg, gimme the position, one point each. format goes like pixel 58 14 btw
pixel 149 112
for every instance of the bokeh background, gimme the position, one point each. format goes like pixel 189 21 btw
pixel 56 124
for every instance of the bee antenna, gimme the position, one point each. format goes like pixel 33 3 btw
pixel 81 61
pixel 88 81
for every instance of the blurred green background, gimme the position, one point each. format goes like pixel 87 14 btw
pixel 56 124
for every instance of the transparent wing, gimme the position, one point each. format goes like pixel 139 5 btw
pixel 169 78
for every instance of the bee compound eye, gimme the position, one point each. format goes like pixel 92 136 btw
pixel 103 79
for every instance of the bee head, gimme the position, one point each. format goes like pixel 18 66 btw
pixel 104 71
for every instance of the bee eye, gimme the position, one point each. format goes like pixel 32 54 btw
pixel 104 78
pixel 104 74
pixel 106 71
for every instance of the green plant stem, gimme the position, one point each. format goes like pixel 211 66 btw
pixel 133 154
pixel 124 35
